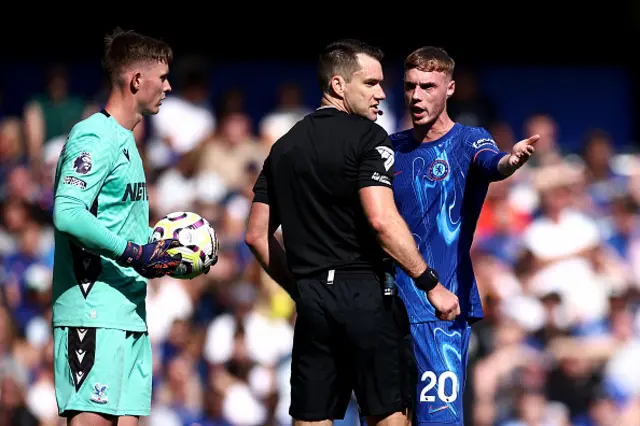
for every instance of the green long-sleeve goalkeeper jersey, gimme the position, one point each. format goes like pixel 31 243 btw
pixel 100 203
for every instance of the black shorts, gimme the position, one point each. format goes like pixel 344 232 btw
pixel 349 337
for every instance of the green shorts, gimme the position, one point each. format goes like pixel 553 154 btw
pixel 102 370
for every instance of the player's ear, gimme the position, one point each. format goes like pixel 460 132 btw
pixel 451 87
pixel 135 81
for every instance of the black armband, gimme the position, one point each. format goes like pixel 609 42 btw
pixel 427 280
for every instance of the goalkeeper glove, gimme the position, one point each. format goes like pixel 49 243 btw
pixel 151 260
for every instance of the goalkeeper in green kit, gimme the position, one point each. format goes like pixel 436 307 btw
pixel 102 352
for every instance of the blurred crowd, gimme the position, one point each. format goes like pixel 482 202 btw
pixel 556 253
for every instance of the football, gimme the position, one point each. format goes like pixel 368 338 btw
pixel 198 238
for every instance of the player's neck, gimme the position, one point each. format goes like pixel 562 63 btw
pixel 123 109
pixel 435 130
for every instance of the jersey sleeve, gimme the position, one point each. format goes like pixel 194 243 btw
pixel 261 187
pixel 70 217
pixel 376 159
pixel 486 155
pixel 85 163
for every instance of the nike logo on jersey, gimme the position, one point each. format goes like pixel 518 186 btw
pixel 435 410
pixel 126 153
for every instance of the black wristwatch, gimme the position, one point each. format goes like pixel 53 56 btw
pixel 427 280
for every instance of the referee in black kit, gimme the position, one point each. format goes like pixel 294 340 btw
pixel 327 182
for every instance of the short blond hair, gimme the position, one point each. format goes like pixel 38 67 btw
pixel 429 59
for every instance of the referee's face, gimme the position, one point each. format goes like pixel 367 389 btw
pixel 363 93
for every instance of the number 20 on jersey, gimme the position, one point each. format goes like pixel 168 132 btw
pixel 447 386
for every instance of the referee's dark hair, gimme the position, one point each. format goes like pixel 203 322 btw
pixel 341 58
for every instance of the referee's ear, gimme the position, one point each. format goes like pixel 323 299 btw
pixel 337 85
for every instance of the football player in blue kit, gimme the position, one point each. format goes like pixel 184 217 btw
pixel 442 174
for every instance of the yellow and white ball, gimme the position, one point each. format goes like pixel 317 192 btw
pixel 199 242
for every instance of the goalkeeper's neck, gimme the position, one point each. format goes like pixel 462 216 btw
pixel 122 106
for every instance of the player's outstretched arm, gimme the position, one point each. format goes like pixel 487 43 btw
pixel 520 154
pixel 496 165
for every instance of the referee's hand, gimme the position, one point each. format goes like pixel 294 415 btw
pixel 445 303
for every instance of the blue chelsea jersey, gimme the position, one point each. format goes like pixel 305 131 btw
pixel 439 189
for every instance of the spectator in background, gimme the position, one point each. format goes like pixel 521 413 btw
pixel 12 150
pixel 27 273
pixel 560 244
pixel 186 119
pixel 602 182
pixel 184 184
pixel 13 409
pixel 51 114
pixel 602 411
pixel 14 377
pixel 623 230
pixel 549 150
pixel 231 150
pixel 231 101
pixel 533 409
pixel 2 106
pixel 500 224
pixel 288 111
pixel 470 106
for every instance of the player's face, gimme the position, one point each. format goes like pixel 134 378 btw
pixel 154 86
pixel 426 95
pixel 363 93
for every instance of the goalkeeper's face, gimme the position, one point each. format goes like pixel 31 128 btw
pixel 154 86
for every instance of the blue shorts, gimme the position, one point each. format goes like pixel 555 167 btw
pixel 441 350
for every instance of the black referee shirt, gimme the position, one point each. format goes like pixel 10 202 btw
pixel 311 180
